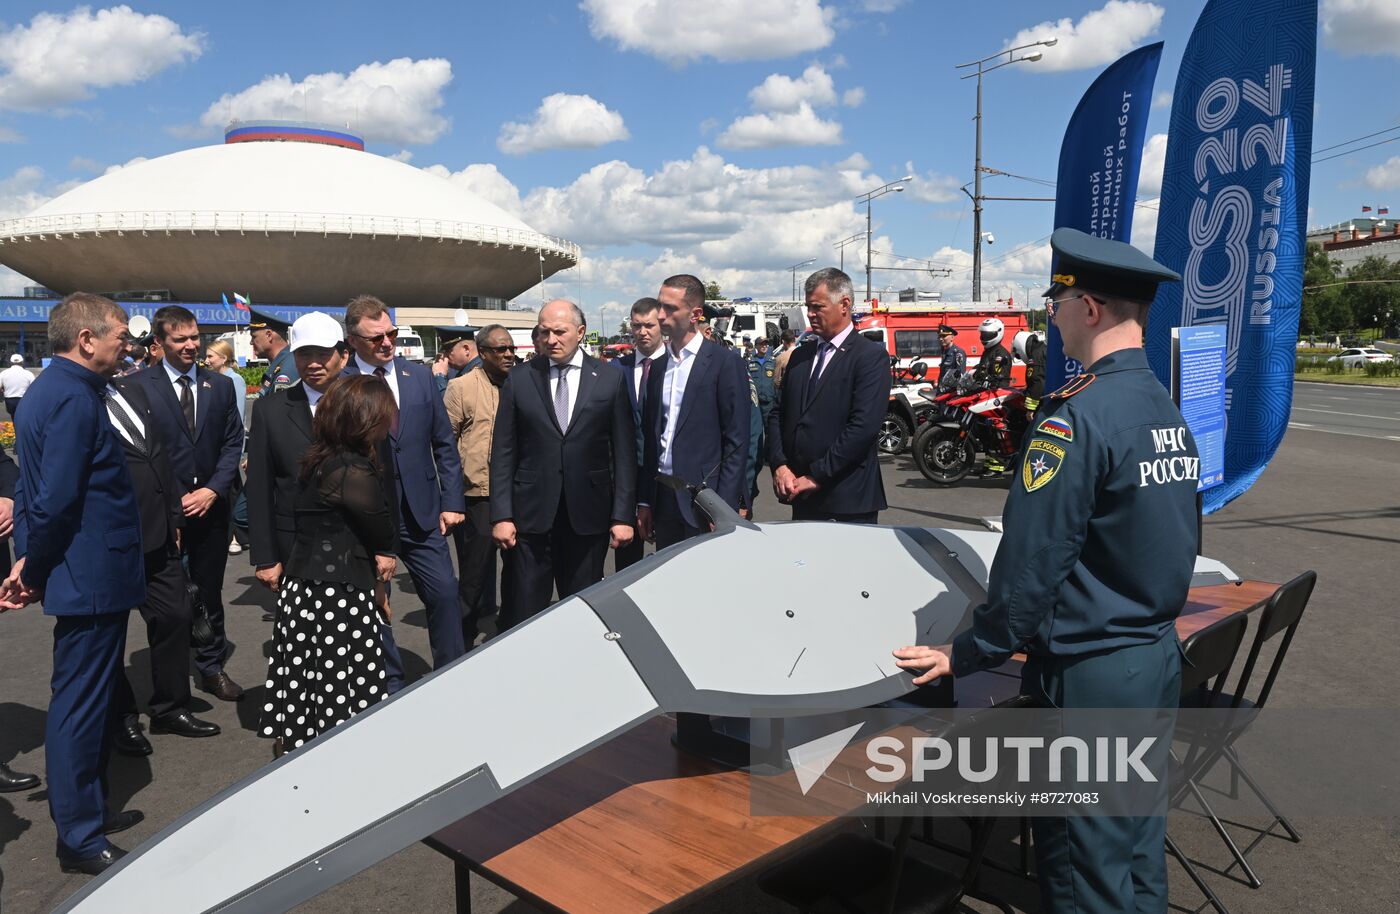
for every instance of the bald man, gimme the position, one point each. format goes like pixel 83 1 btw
pixel 563 468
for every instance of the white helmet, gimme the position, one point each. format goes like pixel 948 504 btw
pixel 991 330
pixel 1018 344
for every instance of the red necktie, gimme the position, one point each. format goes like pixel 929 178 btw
pixel 646 374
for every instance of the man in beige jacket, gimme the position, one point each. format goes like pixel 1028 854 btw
pixel 471 402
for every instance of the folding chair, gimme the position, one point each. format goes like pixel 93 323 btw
pixel 857 874
pixel 1209 655
pixel 1280 616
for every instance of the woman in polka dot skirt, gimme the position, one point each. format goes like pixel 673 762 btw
pixel 327 663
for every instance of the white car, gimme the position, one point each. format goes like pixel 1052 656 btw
pixel 1355 358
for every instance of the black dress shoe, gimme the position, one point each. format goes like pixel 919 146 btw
pixel 121 821
pixel 183 723
pixel 92 866
pixel 11 781
pixel 130 740
pixel 222 687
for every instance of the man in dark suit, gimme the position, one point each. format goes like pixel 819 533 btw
pixel 427 477
pixel 822 431
pixel 637 367
pixel 696 421
pixel 195 415
pixel 563 468
pixel 78 548
pixel 167 610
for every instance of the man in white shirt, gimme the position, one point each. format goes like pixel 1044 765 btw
pixel 14 381
pixel 696 422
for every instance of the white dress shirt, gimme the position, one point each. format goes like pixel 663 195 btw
pixel 576 364
pixel 391 375
pixel 15 380
pixel 117 398
pixel 831 348
pixel 175 377
pixel 313 396
pixel 673 395
pixel 637 368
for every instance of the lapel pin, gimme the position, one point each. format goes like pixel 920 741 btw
pixel 206 385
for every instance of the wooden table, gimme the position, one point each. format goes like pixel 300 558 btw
pixel 637 826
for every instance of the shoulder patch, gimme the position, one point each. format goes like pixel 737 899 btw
pixel 1074 386
pixel 1042 462
pixel 1056 427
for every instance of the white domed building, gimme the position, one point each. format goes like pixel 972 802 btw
pixel 291 215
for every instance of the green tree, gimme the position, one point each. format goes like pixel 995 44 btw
pixel 1373 291
pixel 1323 310
pixel 712 292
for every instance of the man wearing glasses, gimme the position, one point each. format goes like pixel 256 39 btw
pixel 427 475
pixel 471 402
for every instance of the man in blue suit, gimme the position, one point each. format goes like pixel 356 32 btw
pixel 78 548
pixel 427 475
pixel 696 420
pixel 197 418
pixel 823 429
pixel 637 366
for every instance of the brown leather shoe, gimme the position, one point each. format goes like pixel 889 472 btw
pixel 222 687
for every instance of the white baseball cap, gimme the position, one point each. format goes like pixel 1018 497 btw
pixel 16 359
pixel 316 329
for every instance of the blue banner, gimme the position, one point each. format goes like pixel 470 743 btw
pixel 1099 161
pixel 1233 211
pixel 36 311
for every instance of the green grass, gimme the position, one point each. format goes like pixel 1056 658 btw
pixel 1348 377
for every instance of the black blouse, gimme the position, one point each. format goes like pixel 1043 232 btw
pixel 342 521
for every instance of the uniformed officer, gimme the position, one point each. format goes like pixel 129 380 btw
pixel 458 346
pixel 269 339
pixel 761 369
pixel 1096 561
pixel 954 363
pixel 993 370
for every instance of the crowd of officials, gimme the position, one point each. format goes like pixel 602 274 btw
pixel 140 472
pixel 128 485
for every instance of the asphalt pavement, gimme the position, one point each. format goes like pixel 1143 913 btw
pixel 1323 504
pixel 1347 409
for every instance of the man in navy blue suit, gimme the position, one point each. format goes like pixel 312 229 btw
pixel 427 476
pixel 78 548
pixel 197 418
pixel 696 420
pixel 637 366
pixel 822 432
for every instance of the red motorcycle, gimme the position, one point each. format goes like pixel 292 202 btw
pixel 971 420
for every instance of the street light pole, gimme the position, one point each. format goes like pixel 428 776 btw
pixel 842 245
pixel 892 187
pixel 976 194
pixel 794 268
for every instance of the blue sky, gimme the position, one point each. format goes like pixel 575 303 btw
pixel 725 137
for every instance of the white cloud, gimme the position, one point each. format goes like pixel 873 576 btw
pixel 1099 38
pixel 682 31
pixel 394 102
pixel 1361 26
pixel 127 164
pixel 785 94
pixel 853 98
pixel 1162 100
pixel 564 121
pixel 762 131
pixel 23 192
pixel 486 182
pixel 881 6
pixel 1385 176
pixel 932 187
pixel 1154 160
pixel 1145 225
pixel 403 155
pixel 10 135
pixel 60 58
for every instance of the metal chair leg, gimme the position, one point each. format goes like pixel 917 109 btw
pixel 1237 765
pixel 1211 897
pixel 1254 881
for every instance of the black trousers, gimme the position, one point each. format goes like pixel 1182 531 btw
pixel 476 567
pixel 168 613
pixel 542 562
pixel 801 512
pixel 205 543
pixel 670 524
pixel 12 404
pixel 632 553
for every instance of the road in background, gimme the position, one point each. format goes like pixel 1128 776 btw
pixel 1326 503
pixel 1347 409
